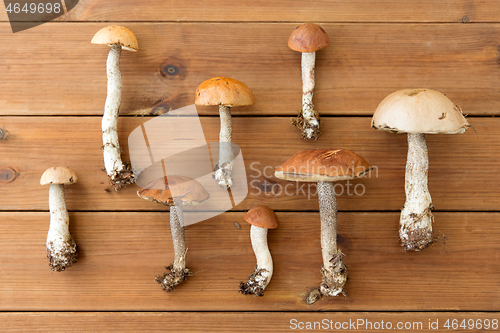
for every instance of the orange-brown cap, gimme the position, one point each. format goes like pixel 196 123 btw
pixel 58 175
pixel 115 34
pixel 223 91
pixel 327 165
pixel 308 37
pixel 262 216
pixel 172 190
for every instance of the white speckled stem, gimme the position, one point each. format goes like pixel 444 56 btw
pixel 223 174
pixel 111 147
pixel 311 120
pixel 416 216
pixel 177 230
pixel 264 260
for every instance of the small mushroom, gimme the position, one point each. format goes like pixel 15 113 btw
pixel 261 218
pixel 176 192
pixel 62 250
pixel 417 112
pixel 308 38
pixel 224 92
pixel 326 166
pixel 117 38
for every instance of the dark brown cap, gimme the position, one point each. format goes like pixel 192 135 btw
pixel 58 175
pixel 115 34
pixel 262 216
pixel 308 37
pixel 223 91
pixel 172 190
pixel 327 165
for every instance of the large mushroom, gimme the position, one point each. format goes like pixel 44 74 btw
pixel 176 192
pixel 326 166
pixel 307 39
pixel 261 218
pixel 62 250
pixel 226 93
pixel 418 112
pixel 117 38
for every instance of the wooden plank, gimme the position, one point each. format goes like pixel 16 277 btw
pixel 282 11
pixel 365 62
pixel 122 252
pixel 456 182
pixel 245 322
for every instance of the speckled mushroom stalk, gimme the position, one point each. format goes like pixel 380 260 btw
pixel 117 38
pixel 261 218
pixel 334 271
pixel 62 250
pixel 225 165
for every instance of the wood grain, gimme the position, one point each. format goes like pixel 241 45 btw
pixel 240 322
pixel 462 176
pixel 365 62
pixel 122 252
pixel 282 11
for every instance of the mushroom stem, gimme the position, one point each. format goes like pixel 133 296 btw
pixel 120 175
pixel 177 272
pixel 416 217
pixel 308 119
pixel 225 165
pixel 263 272
pixel 61 248
pixel 334 271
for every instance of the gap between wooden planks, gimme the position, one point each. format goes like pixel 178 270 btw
pixel 122 252
pixel 363 64
pixel 462 176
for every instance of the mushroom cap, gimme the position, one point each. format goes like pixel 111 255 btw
pixel 308 37
pixel 262 216
pixel 419 111
pixel 223 91
pixel 58 175
pixel 172 190
pixel 115 34
pixel 326 165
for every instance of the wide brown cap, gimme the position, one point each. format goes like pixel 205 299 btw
pixel 419 111
pixel 223 91
pixel 327 165
pixel 115 34
pixel 172 190
pixel 262 216
pixel 58 175
pixel 308 37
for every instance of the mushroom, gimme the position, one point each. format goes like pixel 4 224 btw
pixel 117 38
pixel 176 192
pixel 224 92
pixel 261 218
pixel 417 112
pixel 62 250
pixel 308 38
pixel 326 166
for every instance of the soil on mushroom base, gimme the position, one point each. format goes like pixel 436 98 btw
pixel 171 279
pixel 302 124
pixel 255 283
pixel 68 255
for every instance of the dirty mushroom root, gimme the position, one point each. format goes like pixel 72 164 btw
pixel 62 250
pixel 418 112
pixel 307 39
pixel 176 192
pixel 261 218
pixel 226 93
pixel 117 38
pixel 326 166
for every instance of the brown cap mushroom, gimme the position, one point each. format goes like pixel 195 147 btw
pixel 176 192
pixel 326 166
pixel 417 112
pixel 115 34
pixel 261 218
pixel 225 93
pixel 62 250
pixel 308 38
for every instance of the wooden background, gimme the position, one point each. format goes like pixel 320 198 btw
pixel 52 92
